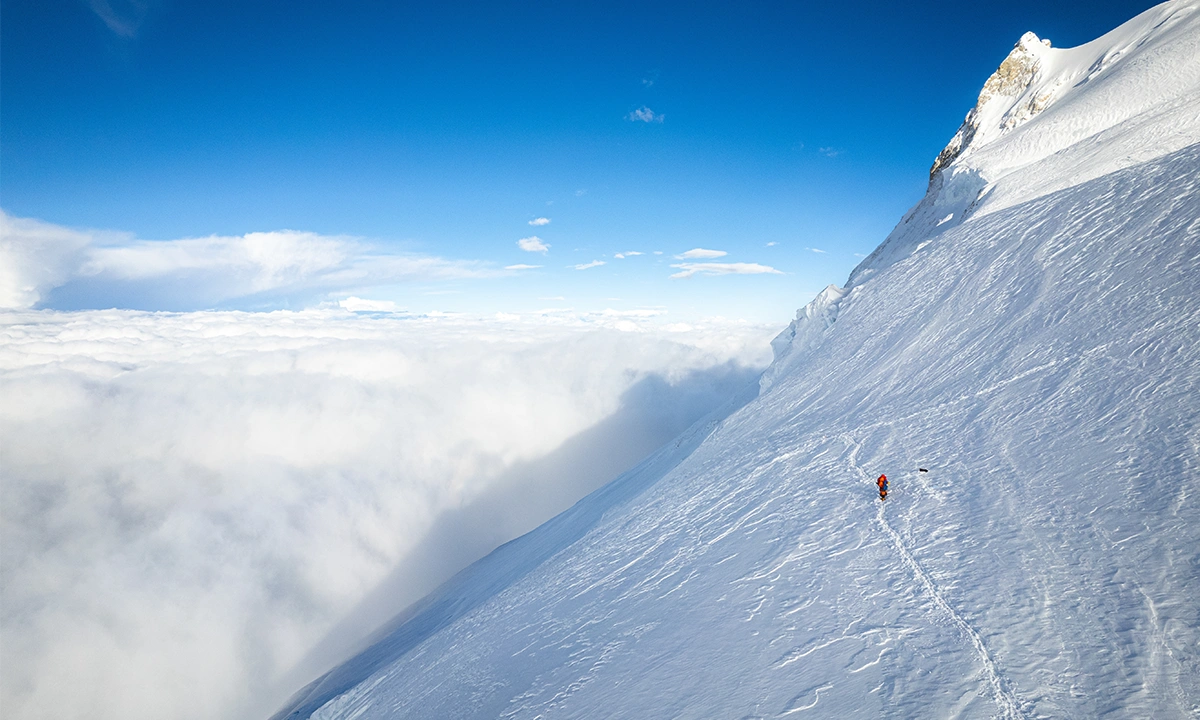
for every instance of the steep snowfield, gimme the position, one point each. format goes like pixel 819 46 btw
pixel 1040 356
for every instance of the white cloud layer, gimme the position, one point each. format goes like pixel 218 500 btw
pixel 701 253
pixel 687 270
pixel 42 264
pixel 192 501
pixel 533 243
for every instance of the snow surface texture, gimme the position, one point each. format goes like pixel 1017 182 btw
pixel 1042 361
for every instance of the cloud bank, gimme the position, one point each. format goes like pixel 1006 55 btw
pixel 192 501
pixel 46 265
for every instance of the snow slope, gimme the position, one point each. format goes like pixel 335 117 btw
pixel 1038 353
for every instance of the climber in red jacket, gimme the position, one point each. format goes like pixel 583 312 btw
pixel 882 483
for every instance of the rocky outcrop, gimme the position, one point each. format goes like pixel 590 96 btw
pixel 1002 95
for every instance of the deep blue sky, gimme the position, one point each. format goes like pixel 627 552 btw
pixel 441 129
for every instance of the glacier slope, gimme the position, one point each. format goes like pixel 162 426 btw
pixel 1041 362
pixel 1038 355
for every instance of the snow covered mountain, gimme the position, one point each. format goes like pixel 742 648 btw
pixel 1030 336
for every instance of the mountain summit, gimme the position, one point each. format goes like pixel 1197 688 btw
pixel 1021 357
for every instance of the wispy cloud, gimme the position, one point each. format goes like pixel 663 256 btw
pixel 592 264
pixel 581 192
pixel 533 243
pixel 49 265
pixel 540 221
pixel 646 115
pixel 701 253
pixel 123 17
pixel 521 266
pixel 650 78
pixel 687 270
pixel 628 253
pixel 772 244
pixel 830 151
pixel 816 250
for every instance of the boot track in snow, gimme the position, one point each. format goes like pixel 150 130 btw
pixel 1009 705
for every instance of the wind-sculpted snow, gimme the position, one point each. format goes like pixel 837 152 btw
pixel 1041 362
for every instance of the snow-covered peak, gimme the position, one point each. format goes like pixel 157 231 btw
pixel 1008 99
pixel 1051 118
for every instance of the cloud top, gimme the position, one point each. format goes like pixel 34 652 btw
pixel 193 500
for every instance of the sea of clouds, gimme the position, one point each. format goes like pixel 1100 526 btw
pixel 203 510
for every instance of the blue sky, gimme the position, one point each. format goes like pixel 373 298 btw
pixel 789 136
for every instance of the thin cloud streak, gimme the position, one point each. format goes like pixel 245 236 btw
pixel 126 22
pixel 688 270
pixel 701 253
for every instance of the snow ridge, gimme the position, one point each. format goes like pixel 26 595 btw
pixel 804 334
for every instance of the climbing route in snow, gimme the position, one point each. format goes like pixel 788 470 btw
pixel 1009 706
